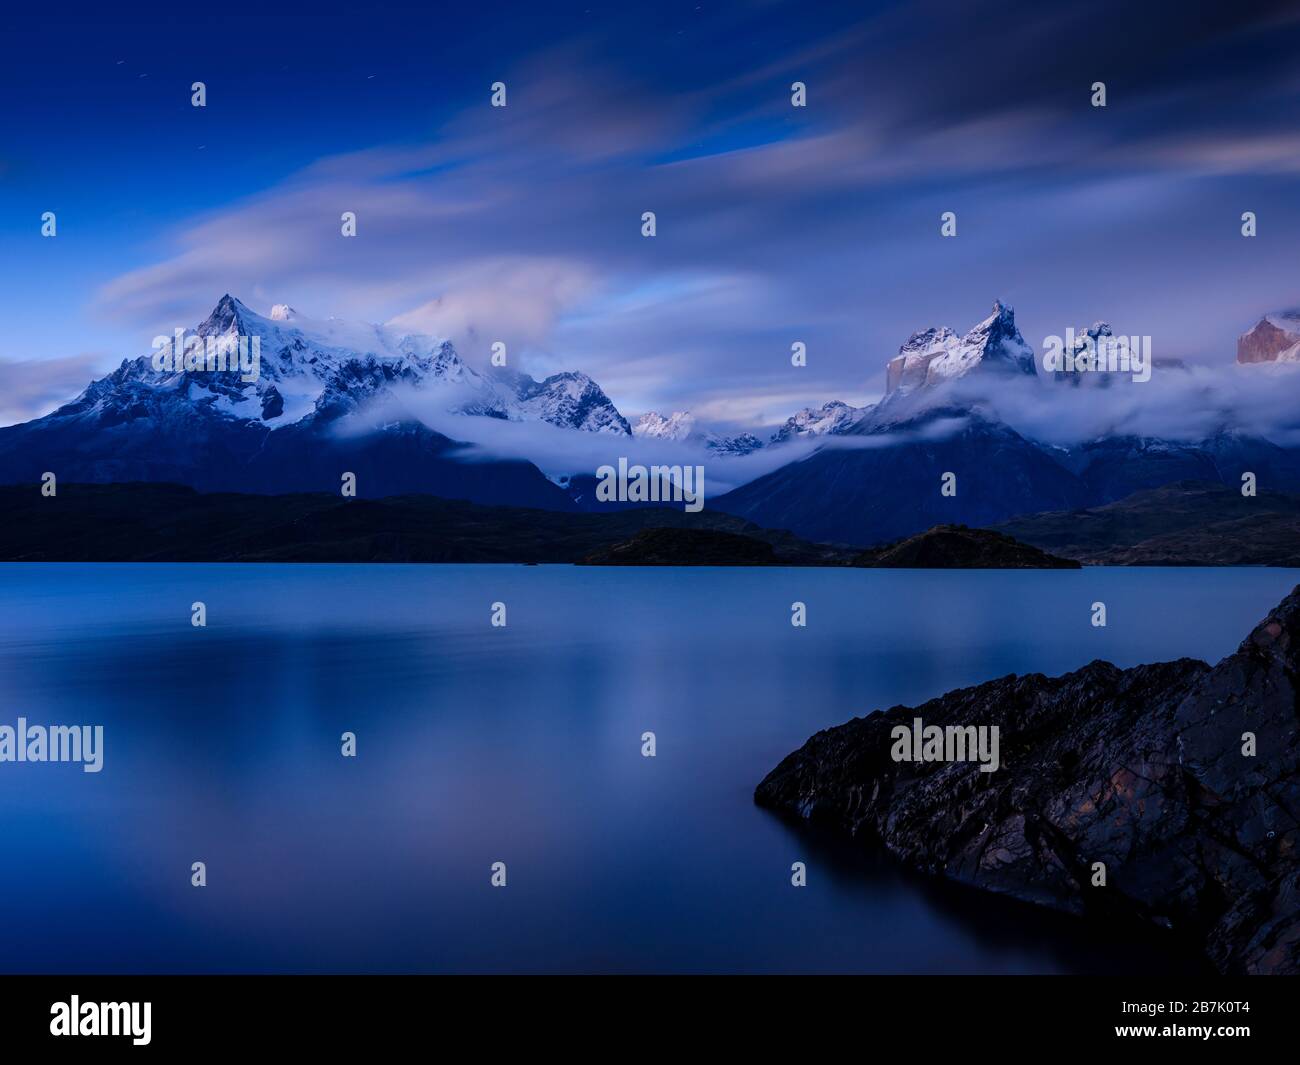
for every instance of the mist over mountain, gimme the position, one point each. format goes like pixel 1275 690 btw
pixel 1016 442
pixel 401 410
pixel 288 422
pixel 681 426
pixel 830 419
pixel 405 413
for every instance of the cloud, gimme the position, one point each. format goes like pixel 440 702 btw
pixel 515 297
pixel 32 387
pixel 774 224
pixel 1228 154
pixel 564 452
pixel 1185 404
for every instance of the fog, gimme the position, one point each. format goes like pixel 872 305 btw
pixel 1181 404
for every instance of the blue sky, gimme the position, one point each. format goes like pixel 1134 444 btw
pixel 776 224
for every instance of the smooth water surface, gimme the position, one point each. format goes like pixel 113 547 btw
pixel 519 744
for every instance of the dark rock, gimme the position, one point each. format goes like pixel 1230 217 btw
pixel 1267 340
pixel 1141 769
pixel 957 547
pixel 272 404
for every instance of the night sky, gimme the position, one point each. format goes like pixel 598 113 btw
pixel 775 223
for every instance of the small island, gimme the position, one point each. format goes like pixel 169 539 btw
pixel 957 547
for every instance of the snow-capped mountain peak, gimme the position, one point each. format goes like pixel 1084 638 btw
pixel 827 420
pixel 732 446
pixel 830 419
pixel 654 426
pixel 994 344
pixel 228 316
pixel 909 368
pixel 570 399
pixel 1274 338
pixel 1093 332
pixel 324 369
pixel 681 426
pixel 935 356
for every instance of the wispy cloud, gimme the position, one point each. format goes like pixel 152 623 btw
pixel 778 224
pixel 32 387
pixel 562 452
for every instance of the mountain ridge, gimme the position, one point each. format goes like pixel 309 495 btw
pixel 330 397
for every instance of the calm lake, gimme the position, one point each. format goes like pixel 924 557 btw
pixel 522 745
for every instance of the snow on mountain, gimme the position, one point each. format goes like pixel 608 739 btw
pixel 570 400
pixel 267 424
pixel 1096 336
pixel 1289 320
pixel 681 427
pixel 909 367
pixel 938 355
pixel 732 446
pixel 1094 333
pixel 829 419
pixel 654 426
pixel 328 368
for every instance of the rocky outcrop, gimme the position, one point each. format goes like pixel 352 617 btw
pixel 908 368
pixel 1274 338
pixel 1148 771
pixel 957 547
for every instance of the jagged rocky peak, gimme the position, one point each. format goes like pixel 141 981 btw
pixel 936 355
pixel 682 426
pixel 1274 338
pixel 356 361
pixel 829 419
pixel 228 316
pixel 1093 332
pixel 570 399
pixel 654 426
pixel 909 367
pixel 320 369
pixel 1083 337
pixel 732 446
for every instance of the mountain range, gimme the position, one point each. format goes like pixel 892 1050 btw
pixel 288 429
pixel 309 415
pixel 330 397
pixel 882 477
pixel 830 419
